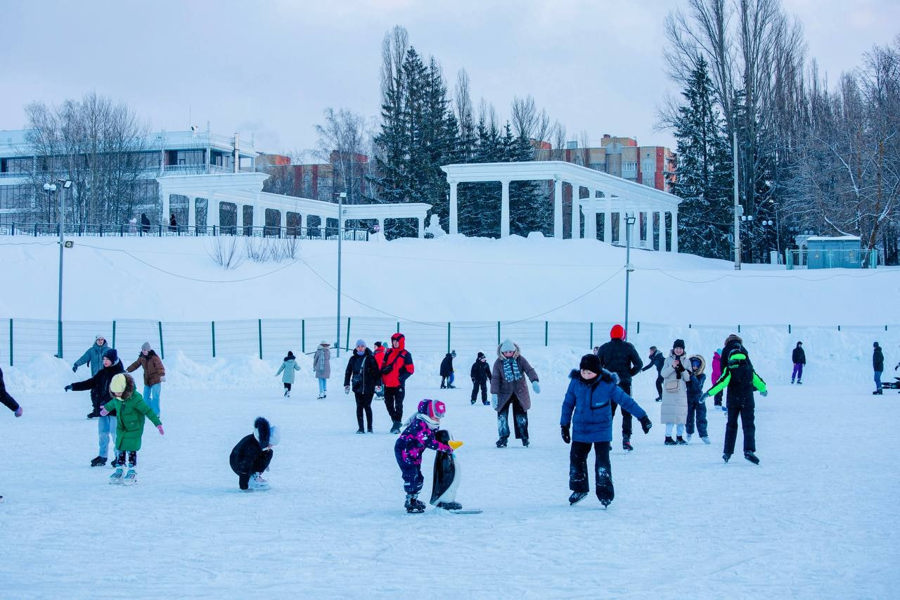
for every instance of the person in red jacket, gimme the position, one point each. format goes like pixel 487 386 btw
pixel 396 367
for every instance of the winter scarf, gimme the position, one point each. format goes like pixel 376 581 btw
pixel 511 371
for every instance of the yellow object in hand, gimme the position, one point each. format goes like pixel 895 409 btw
pixel 454 444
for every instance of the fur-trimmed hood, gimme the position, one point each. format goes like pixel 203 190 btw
pixel 265 433
pixel 702 362
pixel 515 345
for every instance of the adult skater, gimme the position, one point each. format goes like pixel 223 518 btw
pixel 99 386
pixel 587 408
pixel 396 368
pixel 673 412
pixel 447 371
pixel 509 388
pixel 363 376
pixel 657 359
pixel 740 379
pixel 798 357
pixel 154 374
pixel 93 357
pixel 877 366
pixel 322 367
pixel 481 374
pixel 252 455
pixel 619 357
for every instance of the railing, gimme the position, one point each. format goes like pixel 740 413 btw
pixel 137 230
pixel 831 259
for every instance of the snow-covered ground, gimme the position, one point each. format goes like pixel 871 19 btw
pixel 817 518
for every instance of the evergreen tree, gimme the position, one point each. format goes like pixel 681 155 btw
pixel 703 175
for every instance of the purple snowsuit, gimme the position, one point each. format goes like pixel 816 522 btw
pixel 408 450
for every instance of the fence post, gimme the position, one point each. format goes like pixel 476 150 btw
pixel 398 330
pixel 162 350
pixel 789 327
pixel 592 336
pixel 448 337
pixel 10 342
pixel 259 329
pixel 113 337
pixel 739 328
pixel 546 333
pixel 639 327
pixel 303 336
pixel 213 323
pixel 347 343
pixel 498 333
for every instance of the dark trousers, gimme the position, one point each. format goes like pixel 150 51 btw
pixel 393 401
pixel 659 382
pixel 483 386
pixel 363 406
pixel 260 464
pixel 287 386
pixel 626 416
pixel 520 420
pixel 718 400
pixel 697 412
pixel 578 477
pixel 797 372
pixel 742 407
pixel 411 473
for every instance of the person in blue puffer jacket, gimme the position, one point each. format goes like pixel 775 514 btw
pixel 587 408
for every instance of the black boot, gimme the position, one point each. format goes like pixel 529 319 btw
pixel 577 497
pixel 413 505
pixel 751 457
pixel 501 443
pixel 680 441
pixel 670 441
pixel 726 456
pixel 626 443
pixel 99 461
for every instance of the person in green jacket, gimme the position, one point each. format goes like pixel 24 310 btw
pixel 130 413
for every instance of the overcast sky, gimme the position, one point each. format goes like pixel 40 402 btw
pixel 269 68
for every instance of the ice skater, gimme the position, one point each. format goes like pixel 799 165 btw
pixel 418 435
pixel 130 411
pixel 252 455
pixel 286 370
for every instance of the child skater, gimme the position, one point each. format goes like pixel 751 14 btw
pixel 587 407
pixel 130 412
pixel 288 367
pixel 481 374
pixel 696 405
pixel 418 435
pixel 252 455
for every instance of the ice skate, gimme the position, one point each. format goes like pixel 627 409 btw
pixel 680 441
pixel 726 456
pixel 116 477
pixel 501 443
pixel 669 441
pixel 577 497
pixel 413 504
pixel 98 462
pixel 705 440
pixel 130 477
pixel 257 482
pixel 449 505
pixel 626 444
pixel 751 457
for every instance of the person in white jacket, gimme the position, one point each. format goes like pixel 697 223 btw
pixel 673 410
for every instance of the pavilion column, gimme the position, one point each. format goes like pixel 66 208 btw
pixel 557 208
pixel 165 205
pixel 576 212
pixel 421 223
pixel 661 231
pixel 607 221
pixel 212 211
pixel 675 231
pixel 192 211
pixel 454 224
pixel 504 208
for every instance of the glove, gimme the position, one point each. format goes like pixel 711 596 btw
pixel 536 387
pixel 346 389
pixel 701 398
pixel 18 412
pixel 74 368
pixel 103 412
pixel 764 393
pixel 67 388
pixel 646 424
pixel 160 429
pixel 565 434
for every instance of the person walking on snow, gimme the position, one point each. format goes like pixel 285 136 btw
pixel 620 357
pixel 363 376
pixel 286 370
pixel 253 454
pixel 510 388
pixel 481 374
pixel 93 357
pixel 740 379
pixel 154 374
pixel 322 367
pixel 447 371
pixel 696 410
pixel 674 408
pixel 396 367
pixel 418 435
pixel 716 373
pixel 9 402
pixel 657 359
pixel 586 420
pixel 877 366
pixel 99 386
pixel 130 410
pixel 798 357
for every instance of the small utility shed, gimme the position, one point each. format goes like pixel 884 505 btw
pixel 833 252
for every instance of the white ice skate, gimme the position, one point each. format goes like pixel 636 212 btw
pixel 257 482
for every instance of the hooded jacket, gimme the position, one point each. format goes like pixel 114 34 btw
pixel 504 388
pixel 322 362
pixel 397 364
pixel 362 373
pixel 130 412
pixel 246 452
pixel 697 379
pixel 674 396
pixel 99 384
pixel 154 370
pixel 288 367
pixel 447 366
pixel 587 406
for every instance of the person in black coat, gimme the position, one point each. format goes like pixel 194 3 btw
pixel 481 374
pixel 252 455
pixel 145 223
pixel 798 357
pixel 877 366
pixel 619 357
pixel 7 400
pixel 657 359
pixel 363 376
pixel 99 386
pixel 447 371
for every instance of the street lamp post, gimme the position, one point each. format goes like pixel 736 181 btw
pixel 629 222
pixel 738 209
pixel 341 197
pixel 50 188
pixel 748 219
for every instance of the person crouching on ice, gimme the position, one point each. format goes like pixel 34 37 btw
pixel 418 435
pixel 591 390
pixel 252 455
pixel 130 412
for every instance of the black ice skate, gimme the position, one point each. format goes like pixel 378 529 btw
pixel 605 490
pixel 751 457
pixel 99 461
pixel 577 497
pixel 413 504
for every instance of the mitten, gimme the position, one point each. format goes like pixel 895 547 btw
pixel 74 368
pixel 160 429
pixel 646 424
pixel 103 412
pixel 565 434
pixel 764 393
pixel 536 387
pixel 67 388
pixel 18 412
pixel 346 389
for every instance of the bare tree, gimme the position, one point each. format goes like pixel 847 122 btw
pixel 343 141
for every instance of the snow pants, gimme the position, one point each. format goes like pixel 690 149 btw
pixel 797 373
pixel 411 473
pixel 363 407
pixel 743 407
pixel 697 412
pixel 475 386
pixel 393 401
pixel 626 416
pixel 578 477
pixel 260 464
pixel 520 420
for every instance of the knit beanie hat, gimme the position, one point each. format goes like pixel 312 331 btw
pixel 507 346
pixel 99 336
pixel 290 355
pixel 481 355
pixel 678 344
pixel 590 362
pixel 433 409
pixel 117 384
pixel 112 355
pixel 146 347
pixel 617 332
